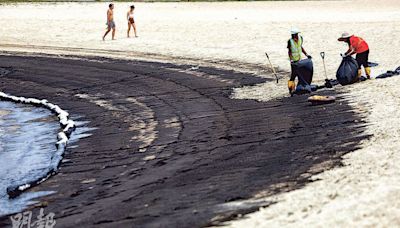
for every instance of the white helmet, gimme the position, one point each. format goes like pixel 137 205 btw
pixel 294 31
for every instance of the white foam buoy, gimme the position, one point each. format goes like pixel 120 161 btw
pixel 63 136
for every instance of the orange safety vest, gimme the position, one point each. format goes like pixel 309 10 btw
pixel 358 44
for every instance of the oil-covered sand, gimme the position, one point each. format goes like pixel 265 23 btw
pixel 171 148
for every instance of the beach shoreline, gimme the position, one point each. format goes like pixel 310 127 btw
pixel 171 146
pixel 191 129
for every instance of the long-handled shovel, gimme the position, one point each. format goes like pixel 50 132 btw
pixel 327 81
pixel 272 67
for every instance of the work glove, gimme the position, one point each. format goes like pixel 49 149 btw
pixel 309 57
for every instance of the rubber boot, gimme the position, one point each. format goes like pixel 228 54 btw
pixel 291 86
pixel 359 74
pixel 368 72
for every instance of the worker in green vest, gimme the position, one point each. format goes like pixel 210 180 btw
pixel 295 46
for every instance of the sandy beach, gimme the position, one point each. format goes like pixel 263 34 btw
pixel 170 147
pixel 191 129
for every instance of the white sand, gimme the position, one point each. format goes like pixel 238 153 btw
pixel 363 193
pixel 240 31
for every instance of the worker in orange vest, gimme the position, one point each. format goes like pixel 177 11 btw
pixel 358 46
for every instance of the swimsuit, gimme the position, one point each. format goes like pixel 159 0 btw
pixel 130 18
pixel 110 24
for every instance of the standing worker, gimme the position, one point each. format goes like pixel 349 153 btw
pixel 357 46
pixel 295 46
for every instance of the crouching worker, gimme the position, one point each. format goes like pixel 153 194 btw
pixel 295 47
pixel 357 46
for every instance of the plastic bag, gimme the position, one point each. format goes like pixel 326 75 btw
pixel 348 71
pixel 390 73
pixel 304 70
pixel 304 89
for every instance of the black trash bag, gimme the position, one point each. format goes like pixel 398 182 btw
pixel 389 73
pixel 330 83
pixel 304 70
pixel 304 89
pixel 372 64
pixel 348 71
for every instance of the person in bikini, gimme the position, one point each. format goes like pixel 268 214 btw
pixel 131 20
pixel 110 21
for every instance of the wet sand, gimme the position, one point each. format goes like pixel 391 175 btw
pixel 171 148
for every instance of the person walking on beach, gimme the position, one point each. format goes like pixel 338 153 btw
pixel 358 46
pixel 110 22
pixel 131 20
pixel 295 47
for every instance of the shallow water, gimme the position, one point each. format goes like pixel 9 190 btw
pixel 27 143
pixel 27 150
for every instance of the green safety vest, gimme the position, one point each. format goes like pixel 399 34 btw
pixel 295 48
